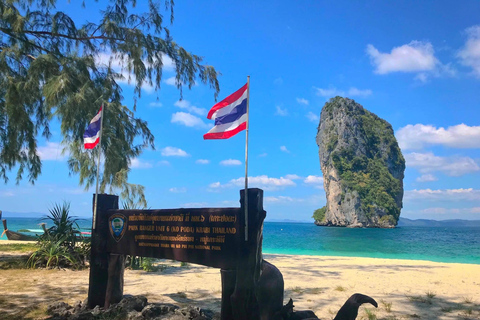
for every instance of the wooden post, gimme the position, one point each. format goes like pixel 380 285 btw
pixel 244 302
pixel 99 257
pixel 228 287
pixel 116 270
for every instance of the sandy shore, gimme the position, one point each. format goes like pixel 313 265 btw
pixel 404 289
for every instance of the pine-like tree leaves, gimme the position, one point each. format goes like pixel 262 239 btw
pixel 54 67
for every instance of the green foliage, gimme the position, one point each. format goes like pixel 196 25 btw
pixel 319 214
pixel 63 225
pixel 52 253
pixel 388 219
pixel 55 68
pixel 61 245
pixel 17 247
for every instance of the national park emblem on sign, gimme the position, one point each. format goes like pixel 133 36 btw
pixel 118 226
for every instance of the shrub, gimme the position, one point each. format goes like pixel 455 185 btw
pixel 319 214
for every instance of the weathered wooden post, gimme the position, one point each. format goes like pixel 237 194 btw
pixel 99 258
pixel 244 302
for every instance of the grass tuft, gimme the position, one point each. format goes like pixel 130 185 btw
pixel 430 294
pixel 18 247
pixel 386 305
pixel 340 288
pixel 467 300
pixel 370 315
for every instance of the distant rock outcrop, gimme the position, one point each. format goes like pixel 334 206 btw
pixel 362 165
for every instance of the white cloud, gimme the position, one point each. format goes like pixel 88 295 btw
pixel 186 105
pixel 316 180
pixel 163 163
pixel 173 152
pixel 352 92
pixel 475 210
pixel 215 184
pixel 469 55
pixel 312 116
pixel 170 81
pixel 7 194
pixel 264 182
pixel 189 120
pixel 330 92
pixel 416 56
pixel 284 149
pixel 139 164
pixel 230 162
pixel 293 177
pixel 281 111
pixel 426 178
pixel 262 155
pixel 178 190
pixel 419 135
pixel 51 152
pixel 155 104
pixel 194 205
pixel 202 161
pixel 303 101
pixel 443 194
pixel 282 199
pixel 452 166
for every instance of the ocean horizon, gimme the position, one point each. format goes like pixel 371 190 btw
pixel 455 244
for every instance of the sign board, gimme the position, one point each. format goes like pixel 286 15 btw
pixel 209 236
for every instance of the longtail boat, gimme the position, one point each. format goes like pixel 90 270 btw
pixel 12 235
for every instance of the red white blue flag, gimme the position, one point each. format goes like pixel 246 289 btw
pixel 92 134
pixel 230 115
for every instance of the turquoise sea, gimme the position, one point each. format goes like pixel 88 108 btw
pixel 452 244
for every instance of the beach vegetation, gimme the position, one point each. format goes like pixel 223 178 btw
pixel 369 314
pixel 315 291
pixel 467 300
pixel 18 247
pixel 340 288
pixel 297 290
pixel 182 294
pixel 16 262
pixel 386 305
pixel 319 214
pixel 419 299
pixel 52 253
pixel 446 309
pixel 184 264
pixel 468 311
pixel 65 226
pixel 430 294
pixel 62 245
pixel 55 68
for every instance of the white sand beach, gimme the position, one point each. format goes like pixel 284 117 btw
pixel 404 289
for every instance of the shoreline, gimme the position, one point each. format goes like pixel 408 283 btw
pixel 272 252
pixel 404 289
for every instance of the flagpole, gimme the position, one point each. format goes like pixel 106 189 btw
pixel 98 167
pixel 246 162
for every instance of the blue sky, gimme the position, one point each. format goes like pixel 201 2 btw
pixel 415 64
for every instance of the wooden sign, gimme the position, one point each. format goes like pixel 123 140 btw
pixel 209 236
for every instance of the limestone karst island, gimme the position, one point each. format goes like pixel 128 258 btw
pixel 362 165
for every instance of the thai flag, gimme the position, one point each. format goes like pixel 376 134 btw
pixel 92 134
pixel 230 115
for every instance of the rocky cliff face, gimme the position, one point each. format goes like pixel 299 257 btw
pixel 362 165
